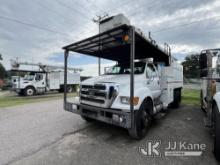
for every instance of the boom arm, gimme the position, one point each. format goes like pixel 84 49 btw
pixel 46 68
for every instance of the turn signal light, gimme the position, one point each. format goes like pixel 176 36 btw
pixel 125 38
pixel 135 100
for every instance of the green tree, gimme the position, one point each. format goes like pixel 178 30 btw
pixel 2 72
pixel 191 66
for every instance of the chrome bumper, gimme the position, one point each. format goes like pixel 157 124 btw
pixel 110 116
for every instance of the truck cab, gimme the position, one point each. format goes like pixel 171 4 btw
pixel 29 84
pixel 115 80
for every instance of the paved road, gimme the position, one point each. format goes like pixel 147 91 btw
pixel 27 129
pixel 41 133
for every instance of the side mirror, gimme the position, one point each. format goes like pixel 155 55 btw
pixel 203 65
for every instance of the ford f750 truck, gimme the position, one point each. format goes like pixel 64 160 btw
pixel 145 80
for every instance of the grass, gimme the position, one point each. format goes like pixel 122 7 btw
pixel 13 100
pixel 191 97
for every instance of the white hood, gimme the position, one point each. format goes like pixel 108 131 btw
pixel 119 79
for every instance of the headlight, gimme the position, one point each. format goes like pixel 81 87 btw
pixel 127 100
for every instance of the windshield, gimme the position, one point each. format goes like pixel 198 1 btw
pixel 125 68
pixel 29 77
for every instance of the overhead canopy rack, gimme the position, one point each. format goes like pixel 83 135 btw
pixel 113 45
pixel 26 71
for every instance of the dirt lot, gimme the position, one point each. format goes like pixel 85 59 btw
pixel 42 133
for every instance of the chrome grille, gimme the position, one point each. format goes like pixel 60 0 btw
pixel 94 94
pixel 100 95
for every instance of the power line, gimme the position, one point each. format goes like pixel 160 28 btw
pixel 70 8
pixel 119 5
pixel 32 25
pixel 96 6
pixel 50 10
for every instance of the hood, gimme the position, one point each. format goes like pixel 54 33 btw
pixel 119 79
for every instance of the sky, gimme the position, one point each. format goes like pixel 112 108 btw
pixel 36 31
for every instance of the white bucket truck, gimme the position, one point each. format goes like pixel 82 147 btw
pixel 145 79
pixel 47 79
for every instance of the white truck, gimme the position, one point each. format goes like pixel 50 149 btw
pixel 210 94
pixel 48 79
pixel 144 81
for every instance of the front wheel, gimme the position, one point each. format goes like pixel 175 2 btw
pixel 142 120
pixel 29 91
pixel 216 132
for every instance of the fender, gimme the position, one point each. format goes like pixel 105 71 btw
pixel 143 93
pixel 216 98
pixel 30 86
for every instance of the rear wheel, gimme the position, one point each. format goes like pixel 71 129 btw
pixel 69 89
pixel 176 98
pixel 201 101
pixel 142 120
pixel 29 91
pixel 216 132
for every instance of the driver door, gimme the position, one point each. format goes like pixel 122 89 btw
pixel 40 80
pixel 153 80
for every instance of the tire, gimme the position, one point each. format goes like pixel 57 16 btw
pixel 69 89
pixel 176 98
pixel 29 91
pixel 216 132
pixel 87 119
pixel 201 102
pixel 61 90
pixel 142 121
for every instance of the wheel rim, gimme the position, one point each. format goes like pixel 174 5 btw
pixel 30 92
pixel 145 120
pixel 69 89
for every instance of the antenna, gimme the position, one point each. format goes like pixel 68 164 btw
pixel 98 20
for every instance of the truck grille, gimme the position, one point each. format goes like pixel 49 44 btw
pixel 100 95
pixel 96 95
pixel 96 86
pixel 93 100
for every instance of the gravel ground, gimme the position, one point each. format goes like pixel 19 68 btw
pixel 42 133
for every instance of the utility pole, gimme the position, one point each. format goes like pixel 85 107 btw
pixel 97 20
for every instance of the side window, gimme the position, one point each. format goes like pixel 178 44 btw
pixel 39 77
pixel 150 71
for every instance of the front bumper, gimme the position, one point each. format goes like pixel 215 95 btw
pixel 110 116
pixel 17 90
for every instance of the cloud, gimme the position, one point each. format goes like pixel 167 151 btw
pixel 74 20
